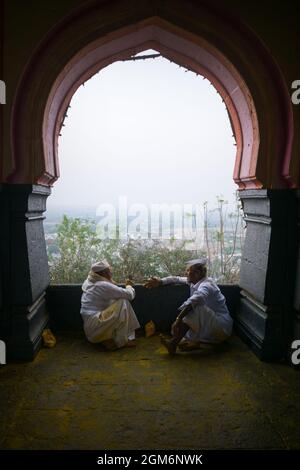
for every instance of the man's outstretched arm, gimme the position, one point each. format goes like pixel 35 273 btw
pixel 157 281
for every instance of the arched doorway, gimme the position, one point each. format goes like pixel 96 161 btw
pixel 202 40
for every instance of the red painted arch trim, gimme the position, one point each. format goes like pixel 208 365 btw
pixel 171 42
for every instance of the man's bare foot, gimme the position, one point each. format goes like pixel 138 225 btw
pixel 169 345
pixel 110 345
pixel 194 345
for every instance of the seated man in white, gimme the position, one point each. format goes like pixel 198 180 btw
pixel 204 316
pixel 108 317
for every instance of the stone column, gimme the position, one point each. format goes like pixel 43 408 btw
pixel 268 271
pixel 295 335
pixel 24 268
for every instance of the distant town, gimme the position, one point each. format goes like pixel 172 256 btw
pixel 221 238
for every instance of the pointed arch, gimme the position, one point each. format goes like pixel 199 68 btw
pixel 225 52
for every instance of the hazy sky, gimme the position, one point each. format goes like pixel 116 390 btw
pixel 147 130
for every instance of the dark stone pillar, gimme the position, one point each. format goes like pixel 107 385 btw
pixel 268 271
pixel 24 268
pixel 296 323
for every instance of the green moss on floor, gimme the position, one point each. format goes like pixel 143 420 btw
pixel 77 396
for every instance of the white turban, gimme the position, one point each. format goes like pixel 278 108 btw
pixel 192 262
pixel 100 266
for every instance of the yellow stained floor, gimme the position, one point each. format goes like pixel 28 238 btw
pixel 77 396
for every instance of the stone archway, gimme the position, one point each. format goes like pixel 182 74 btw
pixel 200 38
pixel 226 53
pixel 171 43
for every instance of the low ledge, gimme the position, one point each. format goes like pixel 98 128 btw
pixel 159 305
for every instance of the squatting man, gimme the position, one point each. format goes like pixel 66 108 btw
pixel 109 318
pixel 203 317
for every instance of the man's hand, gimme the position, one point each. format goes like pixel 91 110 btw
pixel 153 282
pixel 129 282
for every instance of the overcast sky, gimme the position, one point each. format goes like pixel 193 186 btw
pixel 147 130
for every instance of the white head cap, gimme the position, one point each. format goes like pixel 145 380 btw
pixel 100 266
pixel 192 262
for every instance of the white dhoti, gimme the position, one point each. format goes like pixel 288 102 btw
pixel 204 326
pixel 117 322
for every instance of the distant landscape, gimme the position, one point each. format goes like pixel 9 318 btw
pixel 219 237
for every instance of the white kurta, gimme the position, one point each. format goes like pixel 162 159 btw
pixel 210 320
pixel 107 313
